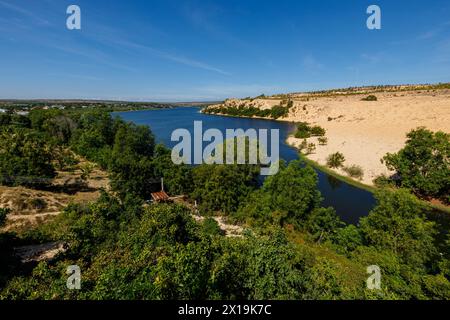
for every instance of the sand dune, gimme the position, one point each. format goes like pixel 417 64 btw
pixel 365 131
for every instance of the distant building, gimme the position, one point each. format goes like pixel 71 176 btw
pixel 2 111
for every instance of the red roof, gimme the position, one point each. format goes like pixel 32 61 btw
pixel 160 196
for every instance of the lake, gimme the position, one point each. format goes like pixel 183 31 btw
pixel 350 202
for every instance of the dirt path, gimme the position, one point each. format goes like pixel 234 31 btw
pixel 231 230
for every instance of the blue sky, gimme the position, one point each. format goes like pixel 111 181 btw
pixel 174 50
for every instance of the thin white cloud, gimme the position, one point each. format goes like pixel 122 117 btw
pixel 429 34
pixel 312 64
pixel 372 57
pixel 96 56
pixel 166 55
pixel 24 12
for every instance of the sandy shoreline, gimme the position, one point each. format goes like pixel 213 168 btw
pixel 365 131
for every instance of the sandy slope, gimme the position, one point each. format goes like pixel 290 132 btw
pixel 365 131
pixel 27 212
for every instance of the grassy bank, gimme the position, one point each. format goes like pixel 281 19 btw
pixel 357 184
pixel 338 176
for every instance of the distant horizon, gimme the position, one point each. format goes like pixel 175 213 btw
pixel 213 101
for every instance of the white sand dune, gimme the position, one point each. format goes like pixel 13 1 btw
pixel 365 131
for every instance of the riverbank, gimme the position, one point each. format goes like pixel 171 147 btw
pixel 355 183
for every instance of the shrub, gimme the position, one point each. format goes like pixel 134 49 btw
pixel 370 98
pixel 382 181
pixel 305 131
pixel 303 145
pixel 279 112
pixel 354 171
pixel 317 131
pixel 3 213
pixel 302 131
pixel 323 141
pixel 38 203
pixel 310 148
pixel 335 160
pixel 211 227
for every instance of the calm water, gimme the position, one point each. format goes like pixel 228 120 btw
pixel 350 202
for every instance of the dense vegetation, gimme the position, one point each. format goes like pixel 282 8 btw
pixel 292 248
pixel 275 112
pixel 423 165
pixel 68 105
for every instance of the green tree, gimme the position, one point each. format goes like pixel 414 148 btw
pixel 287 197
pixel 323 224
pixel 223 187
pixel 423 165
pixel 25 158
pixel 177 177
pixel 398 224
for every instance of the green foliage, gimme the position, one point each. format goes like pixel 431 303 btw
pixel 304 131
pixel 335 160
pixel 38 203
pixel 223 187
pixel 287 197
pixel 323 223
pixel 211 227
pixel 131 167
pixel 423 165
pixel 398 224
pixel 317 131
pixel 323 141
pixel 311 147
pixel 20 121
pixel 382 181
pixel 354 171
pixel 129 175
pixel 132 139
pixel 243 111
pixel 5 119
pixel 279 112
pixel 177 178
pixel 370 98
pixel 323 281
pixel 128 250
pixel 54 124
pixel 348 238
pixel 3 213
pixel 25 158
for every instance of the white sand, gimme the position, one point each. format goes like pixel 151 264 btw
pixel 365 131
